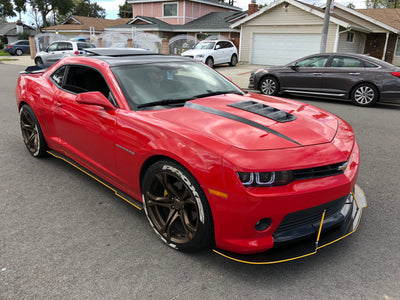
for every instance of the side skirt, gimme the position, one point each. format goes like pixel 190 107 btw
pixel 135 203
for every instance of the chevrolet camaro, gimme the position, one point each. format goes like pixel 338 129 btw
pixel 257 178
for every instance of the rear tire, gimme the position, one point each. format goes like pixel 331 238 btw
pixel 234 60
pixel 19 52
pixel 365 94
pixel 32 132
pixel 176 207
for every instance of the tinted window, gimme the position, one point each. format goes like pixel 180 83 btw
pixel 367 64
pixel 313 62
pixel 63 46
pixel 82 79
pixel 58 76
pixel 82 46
pixel 346 62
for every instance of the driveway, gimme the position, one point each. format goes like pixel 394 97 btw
pixel 65 236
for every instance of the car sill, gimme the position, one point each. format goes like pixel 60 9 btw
pixel 313 93
pixel 135 203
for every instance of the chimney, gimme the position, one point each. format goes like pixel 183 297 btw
pixel 253 8
pixel 20 27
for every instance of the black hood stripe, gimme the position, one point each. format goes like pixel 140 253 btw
pixel 238 119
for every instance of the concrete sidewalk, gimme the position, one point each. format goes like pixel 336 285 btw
pixel 239 74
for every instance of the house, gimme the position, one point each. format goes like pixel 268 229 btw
pixel 10 32
pixel 75 26
pixel 211 24
pixel 179 12
pixel 288 29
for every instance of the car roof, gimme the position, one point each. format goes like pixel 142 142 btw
pixel 115 57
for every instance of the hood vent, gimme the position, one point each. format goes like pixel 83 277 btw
pixel 264 110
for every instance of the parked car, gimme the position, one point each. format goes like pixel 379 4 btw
pixel 214 52
pixel 18 48
pixel 211 165
pixel 361 78
pixel 59 49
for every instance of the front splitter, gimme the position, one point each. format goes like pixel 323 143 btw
pixel 310 246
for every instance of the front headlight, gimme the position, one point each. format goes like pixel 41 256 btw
pixel 264 179
pixel 257 71
pixel 200 55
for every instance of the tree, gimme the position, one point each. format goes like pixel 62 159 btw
pixel 44 7
pixel 351 5
pixel 86 9
pixel 125 10
pixel 6 9
pixel 20 7
pixel 382 3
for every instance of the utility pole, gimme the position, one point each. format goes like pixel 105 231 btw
pixel 322 48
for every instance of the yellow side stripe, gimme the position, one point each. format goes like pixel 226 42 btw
pixel 98 180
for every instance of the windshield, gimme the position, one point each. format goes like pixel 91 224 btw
pixel 170 83
pixel 204 45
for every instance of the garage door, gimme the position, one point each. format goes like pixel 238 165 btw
pixel 280 49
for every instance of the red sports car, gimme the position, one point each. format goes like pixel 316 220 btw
pixel 259 178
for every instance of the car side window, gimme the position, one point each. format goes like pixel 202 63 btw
pixel 313 62
pixel 81 79
pixel 58 76
pixel 53 47
pixel 219 45
pixel 367 64
pixel 63 46
pixel 346 62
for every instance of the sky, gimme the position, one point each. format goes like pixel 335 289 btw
pixel 112 6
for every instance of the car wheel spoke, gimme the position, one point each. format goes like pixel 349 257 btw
pixel 153 200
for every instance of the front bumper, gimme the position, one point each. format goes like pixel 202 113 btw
pixel 325 232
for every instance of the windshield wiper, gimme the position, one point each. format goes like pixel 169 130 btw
pixel 218 93
pixel 164 102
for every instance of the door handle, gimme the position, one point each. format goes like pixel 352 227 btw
pixel 354 73
pixel 317 73
pixel 58 104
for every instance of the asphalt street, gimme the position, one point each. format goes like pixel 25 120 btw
pixel 65 236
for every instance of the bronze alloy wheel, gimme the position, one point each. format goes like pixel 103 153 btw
pixel 176 206
pixel 269 86
pixel 31 132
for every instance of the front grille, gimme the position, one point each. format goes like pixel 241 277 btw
pixel 302 221
pixel 319 172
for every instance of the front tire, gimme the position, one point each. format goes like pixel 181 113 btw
pixel 364 94
pixel 31 132
pixel 210 62
pixel 269 86
pixel 38 61
pixel 176 207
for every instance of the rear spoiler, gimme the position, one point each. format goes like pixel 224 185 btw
pixel 35 69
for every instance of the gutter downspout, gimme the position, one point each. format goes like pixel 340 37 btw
pixel 385 48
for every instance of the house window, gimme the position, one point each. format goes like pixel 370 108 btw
pixel 350 37
pixel 397 52
pixel 170 9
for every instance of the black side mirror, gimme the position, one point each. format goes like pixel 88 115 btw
pixel 294 68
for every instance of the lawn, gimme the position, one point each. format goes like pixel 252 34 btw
pixel 6 56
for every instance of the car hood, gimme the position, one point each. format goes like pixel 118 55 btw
pixel 254 122
pixel 194 52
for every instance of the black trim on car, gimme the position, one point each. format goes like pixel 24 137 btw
pixel 238 119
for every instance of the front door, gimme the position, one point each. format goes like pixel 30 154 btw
pixel 87 131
